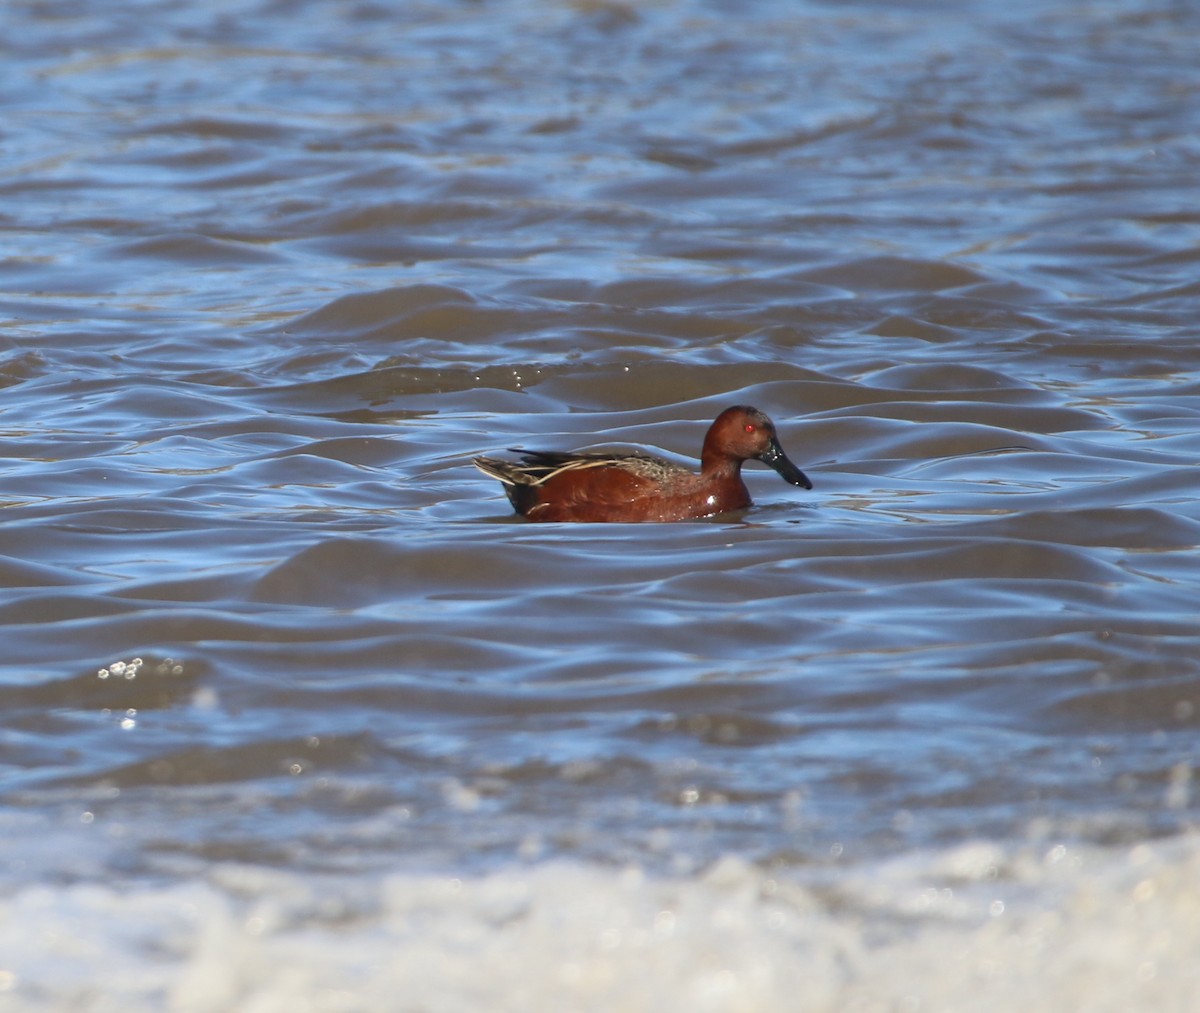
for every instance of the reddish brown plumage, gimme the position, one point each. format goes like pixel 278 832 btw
pixel 597 486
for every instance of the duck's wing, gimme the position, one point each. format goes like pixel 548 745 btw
pixel 539 466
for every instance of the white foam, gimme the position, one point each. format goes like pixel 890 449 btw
pixel 979 927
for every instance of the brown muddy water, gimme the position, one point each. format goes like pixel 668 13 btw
pixel 298 715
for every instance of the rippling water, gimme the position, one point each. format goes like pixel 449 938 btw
pixel 298 715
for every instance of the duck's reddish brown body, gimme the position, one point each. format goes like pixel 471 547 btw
pixel 597 486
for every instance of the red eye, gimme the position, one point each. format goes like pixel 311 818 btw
pixel 749 427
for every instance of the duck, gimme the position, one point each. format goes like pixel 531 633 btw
pixel 602 486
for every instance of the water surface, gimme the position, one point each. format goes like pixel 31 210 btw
pixel 298 715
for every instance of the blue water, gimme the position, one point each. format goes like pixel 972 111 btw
pixel 279 664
